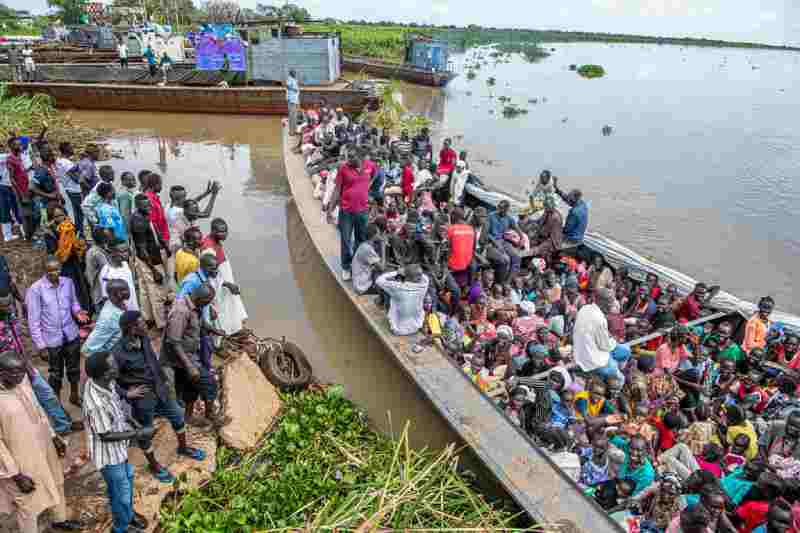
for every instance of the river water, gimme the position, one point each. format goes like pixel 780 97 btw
pixel 698 174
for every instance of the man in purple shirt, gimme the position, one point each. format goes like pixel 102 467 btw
pixel 52 312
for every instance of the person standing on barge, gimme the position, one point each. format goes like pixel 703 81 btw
pixel 577 218
pixel 352 196
pixel 293 99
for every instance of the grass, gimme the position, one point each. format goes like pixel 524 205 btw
pixel 324 469
pixel 24 115
pixel 591 71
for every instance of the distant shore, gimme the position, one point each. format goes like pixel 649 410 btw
pixel 387 42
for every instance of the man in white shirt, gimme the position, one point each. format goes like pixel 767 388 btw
pixel 459 182
pixel 122 51
pixel 406 298
pixel 30 65
pixel 595 350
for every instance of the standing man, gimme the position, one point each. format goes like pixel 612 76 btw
pixel 577 218
pixel 109 434
pixel 30 64
pixel 20 182
pixel 31 474
pixel 293 99
pixel 122 51
pixel 351 195
pixel 15 63
pixel 180 354
pixel 106 332
pixel 149 266
pixel 52 312
pixel 139 368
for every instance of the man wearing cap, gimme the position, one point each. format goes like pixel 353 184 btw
pixel 551 230
pixel 406 289
pixel 459 182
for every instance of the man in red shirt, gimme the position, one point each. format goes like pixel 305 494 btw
pixel 462 242
pixel 20 182
pixel 690 308
pixel 351 195
pixel 157 216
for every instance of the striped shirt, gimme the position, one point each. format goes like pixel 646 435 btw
pixel 103 412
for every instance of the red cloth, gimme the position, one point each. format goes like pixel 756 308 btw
pixel 714 468
pixel 157 217
pixel 408 181
pixel 447 161
pixel 666 437
pixel 462 244
pixel 754 513
pixel 210 243
pixel 689 309
pixel 369 168
pixel 354 184
pixel 17 173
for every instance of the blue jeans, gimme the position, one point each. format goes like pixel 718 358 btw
pixel 351 224
pixel 8 205
pixel 59 419
pixel 144 410
pixel 119 482
pixel 618 357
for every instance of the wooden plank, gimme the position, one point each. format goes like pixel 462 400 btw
pixel 524 470
pixel 664 331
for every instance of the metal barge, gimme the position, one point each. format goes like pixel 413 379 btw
pixel 400 71
pixel 525 472
pixel 102 87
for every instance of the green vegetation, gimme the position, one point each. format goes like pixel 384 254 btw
pixel 27 115
pixel 387 41
pixel 322 468
pixel 591 71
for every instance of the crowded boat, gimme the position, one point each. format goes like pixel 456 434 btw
pixel 669 413
pixel 671 416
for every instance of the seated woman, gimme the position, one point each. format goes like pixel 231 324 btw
pixel 447 159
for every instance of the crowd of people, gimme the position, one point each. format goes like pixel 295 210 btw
pixel 134 300
pixel 693 428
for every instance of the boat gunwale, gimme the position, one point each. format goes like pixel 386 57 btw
pixel 188 88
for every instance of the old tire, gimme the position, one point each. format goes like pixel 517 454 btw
pixel 286 368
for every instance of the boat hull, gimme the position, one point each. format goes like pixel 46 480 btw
pixel 397 71
pixel 235 100
pixel 524 471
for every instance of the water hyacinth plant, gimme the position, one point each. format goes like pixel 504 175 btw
pixel 323 469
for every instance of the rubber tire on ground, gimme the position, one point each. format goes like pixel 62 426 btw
pixel 301 368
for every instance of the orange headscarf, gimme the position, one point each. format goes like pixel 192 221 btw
pixel 68 242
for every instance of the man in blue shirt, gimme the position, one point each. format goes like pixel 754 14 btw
pixel 500 222
pixel 293 99
pixel 577 219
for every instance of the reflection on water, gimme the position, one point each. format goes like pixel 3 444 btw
pixel 286 288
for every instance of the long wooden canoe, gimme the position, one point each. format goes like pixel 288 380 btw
pixel 398 71
pixel 525 471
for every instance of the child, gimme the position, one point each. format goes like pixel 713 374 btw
pixel 736 456
pixel 125 196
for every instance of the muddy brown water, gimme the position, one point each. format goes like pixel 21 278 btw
pixel 287 289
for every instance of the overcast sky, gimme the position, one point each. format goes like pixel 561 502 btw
pixel 773 21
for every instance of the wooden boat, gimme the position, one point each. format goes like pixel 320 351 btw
pixel 526 473
pixel 400 71
pixel 192 99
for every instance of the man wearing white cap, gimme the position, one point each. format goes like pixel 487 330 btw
pixel 459 182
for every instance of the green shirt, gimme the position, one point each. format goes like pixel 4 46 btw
pixel 733 352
